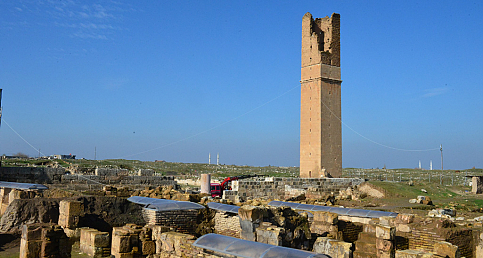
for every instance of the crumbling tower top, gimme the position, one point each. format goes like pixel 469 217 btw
pixel 321 40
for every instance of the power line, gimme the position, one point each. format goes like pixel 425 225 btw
pixel 36 150
pixel 212 128
pixel 380 144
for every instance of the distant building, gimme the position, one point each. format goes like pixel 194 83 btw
pixel 69 156
pixel 13 157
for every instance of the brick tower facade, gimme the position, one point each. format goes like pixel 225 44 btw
pixel 320 127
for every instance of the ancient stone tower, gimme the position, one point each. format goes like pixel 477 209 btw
pixel 320 127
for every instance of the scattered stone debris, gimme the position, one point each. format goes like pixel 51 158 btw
pixel 422 200
pixel 442 213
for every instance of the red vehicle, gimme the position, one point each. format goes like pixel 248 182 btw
pixel 217 189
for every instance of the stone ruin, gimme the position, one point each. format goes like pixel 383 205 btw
pixel 405 236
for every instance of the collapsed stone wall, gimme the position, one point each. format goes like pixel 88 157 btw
pixel 424 235
pixel 44 240
pixel 94 213
pixel 135 241
pixel 287 187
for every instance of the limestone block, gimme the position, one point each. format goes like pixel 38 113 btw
pixel 121 242
pixel 476 185
pixel 387 221
pixel 403 228
pixel 250 213
pixel 172 241
pixel 124 255
pixel 479 249
pixel 148 247
pixel 327 217
pixel 384 254
pixel 385 232
pixel 31 232
pixel 332 247
pixel 30 249
pixel 270 235
pixel 71 208
pixel 405 218
pixel 73 234
pixel 408 254
pixel 100 239
pixel 321 228
pixel 446 249
pixel 384 245
pixel 15 194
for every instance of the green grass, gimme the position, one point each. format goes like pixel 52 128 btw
pixel 402 189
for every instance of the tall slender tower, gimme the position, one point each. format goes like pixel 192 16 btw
pixel 320 125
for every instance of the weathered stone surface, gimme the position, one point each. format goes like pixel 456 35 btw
pixel 479 249
pixel 52 241
pixel 121 242
pixel 30 249
pixel 385 232
pixel 250 213
pixel 384 245
pixel 476 185
pixel 322 228
pixel 270 235
pixel 332 247
pixel 384 254
pixel 405 218
pixel 446 249
pixel 412 254
pixel 148 247
pixel 387 221
pixel 403 228
pixel 327 217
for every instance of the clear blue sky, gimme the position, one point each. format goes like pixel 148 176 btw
pixel 176 80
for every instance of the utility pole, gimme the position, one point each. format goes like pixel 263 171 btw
pixel 95 153
pixel 441 149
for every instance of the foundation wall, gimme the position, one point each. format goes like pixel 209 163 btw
pixel 286 187
pixel 38 175
pixel 118 180
pixel 46 175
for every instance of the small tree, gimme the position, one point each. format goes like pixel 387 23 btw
pixel 21 155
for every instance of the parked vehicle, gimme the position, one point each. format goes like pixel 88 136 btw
pixel 217 189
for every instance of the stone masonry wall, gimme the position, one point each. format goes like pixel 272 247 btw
pixel 47 175
pixel 44 240
pixel 227 224
pixel 183 221
pixel 286 187
pixel 117 180
pixel 38 175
